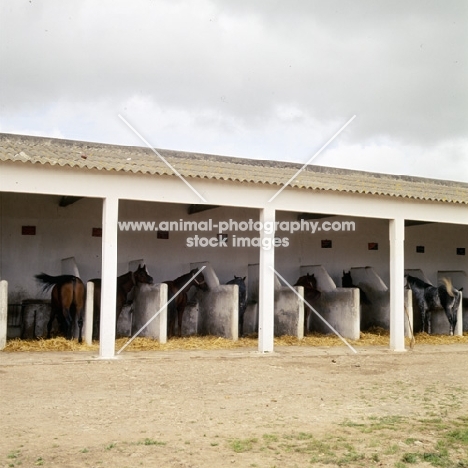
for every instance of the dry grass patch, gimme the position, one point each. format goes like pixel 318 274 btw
pixel 374 337
pixel 52 344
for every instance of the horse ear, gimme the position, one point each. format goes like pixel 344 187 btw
pixel 243 279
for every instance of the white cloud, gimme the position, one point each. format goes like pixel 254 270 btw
pixel 262 79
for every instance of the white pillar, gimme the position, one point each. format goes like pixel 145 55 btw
pixel 3 313
pixel 110 215
pixel 397 293
pixel 459 326
pixel 266 291
pixel 89 313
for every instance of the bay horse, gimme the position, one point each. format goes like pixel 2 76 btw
pixel 429 297
pixel 177 306
pixel 67 302
pixel 242 302
pixel 347 282
pixel 309 283
pixel 125 284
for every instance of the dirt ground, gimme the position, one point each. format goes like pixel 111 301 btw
pixel 295 407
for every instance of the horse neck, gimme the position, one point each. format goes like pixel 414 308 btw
pixel 306 284
pixel 126 282
pixel 347 282
pixel 237 281
pixel 300 282
pixel 182 280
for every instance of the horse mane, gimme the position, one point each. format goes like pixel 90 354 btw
pixel 308 280
pixel 124 277
pixel 183 278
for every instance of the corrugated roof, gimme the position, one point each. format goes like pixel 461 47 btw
pixel 87 155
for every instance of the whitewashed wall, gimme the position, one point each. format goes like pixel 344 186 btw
pixel 169 258
pixel 440 243
pixel 60 233
pixel 65 232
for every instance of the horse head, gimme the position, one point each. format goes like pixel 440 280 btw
pixel 307 281
pixel 240 281
pixel 311 281
pixel 199 280
pixel 141 275
pixel 346 280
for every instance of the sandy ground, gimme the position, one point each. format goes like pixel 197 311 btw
pixel 295 407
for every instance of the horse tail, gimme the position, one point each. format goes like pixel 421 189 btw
pixel 47 280
pixel 78 292
pixel 448 286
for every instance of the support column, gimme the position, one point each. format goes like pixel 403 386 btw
pixel 459 326
pixel 266 291
pixel 397 288
pixel 3 313
pixel 110 215
pixel 89 313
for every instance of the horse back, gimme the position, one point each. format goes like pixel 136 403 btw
pixel 69 293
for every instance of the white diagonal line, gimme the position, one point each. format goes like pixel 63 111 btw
pixel 313 310
pixel 159 311
pixel 182 178
pixel 312 158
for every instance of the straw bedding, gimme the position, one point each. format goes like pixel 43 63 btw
pixel 374 337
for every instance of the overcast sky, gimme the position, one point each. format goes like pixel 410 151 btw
pixel 263 79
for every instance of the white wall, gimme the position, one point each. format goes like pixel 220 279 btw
pixel 440 243
pixel 170 258
pixel 65 232
pixel 349 248
pixel 61 232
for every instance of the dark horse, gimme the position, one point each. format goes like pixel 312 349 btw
pixel 309 283
pixel 347 282
pixel 67 302
pixel 177 306
pixel 242 300
pixel 429 297
pixel 125 284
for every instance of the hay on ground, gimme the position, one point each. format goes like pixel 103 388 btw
pixel 374 337
pixel 52 344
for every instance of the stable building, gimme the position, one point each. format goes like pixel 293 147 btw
pixel 108 205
